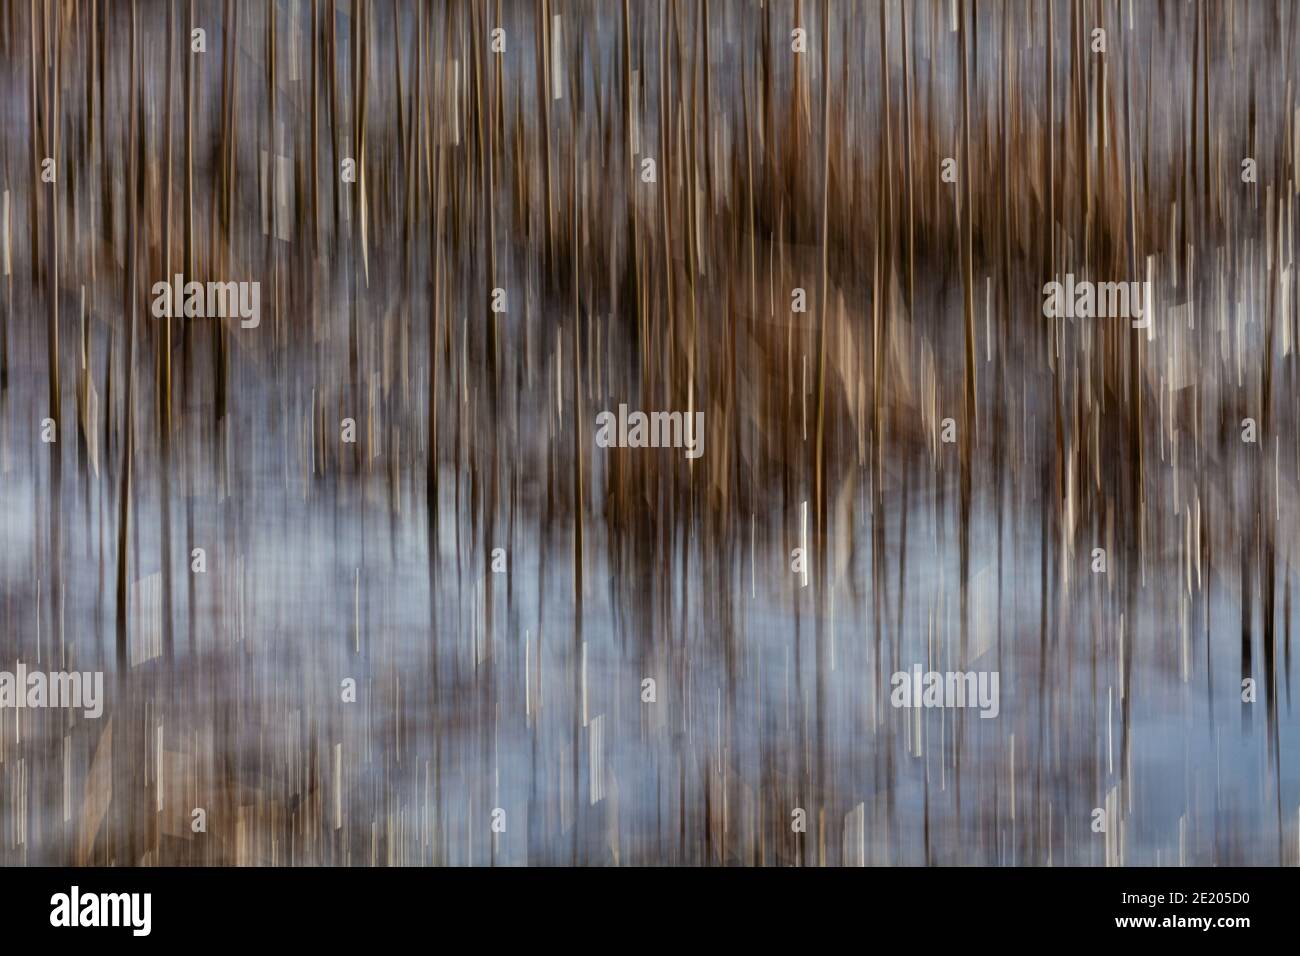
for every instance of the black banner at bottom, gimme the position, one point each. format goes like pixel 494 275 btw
pixel 620 906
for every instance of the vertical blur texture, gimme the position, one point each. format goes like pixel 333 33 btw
pixel 650 184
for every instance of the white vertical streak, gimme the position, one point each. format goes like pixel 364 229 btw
pixel 557 58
